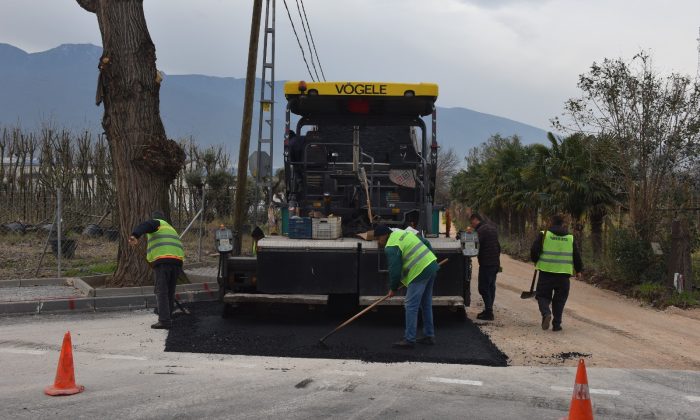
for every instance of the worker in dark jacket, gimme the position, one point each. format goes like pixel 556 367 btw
pixel 411 262
pixel 165 253
pixel 489 263
pixel 557 258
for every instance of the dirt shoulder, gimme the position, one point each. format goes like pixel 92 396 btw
pixel 609 329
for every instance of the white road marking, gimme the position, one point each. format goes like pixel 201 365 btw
pixel 22 351
pixel 346 372
pixel 120 357
pixel 692 398
pixel 591 390
pixel 454 381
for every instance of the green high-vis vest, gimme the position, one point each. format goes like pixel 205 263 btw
pixel 164 243
pixel 415 256
pixel 557 254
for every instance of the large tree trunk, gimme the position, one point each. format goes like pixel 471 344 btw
pixel 145 161
pixel 597 216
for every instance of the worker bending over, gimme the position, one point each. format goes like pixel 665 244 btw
pixel 165 254
pixel 411 262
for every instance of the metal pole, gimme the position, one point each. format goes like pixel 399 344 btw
pixel 59 216
pixel 46 246
pixel 239 212
pixel 201 226
pixel 190 224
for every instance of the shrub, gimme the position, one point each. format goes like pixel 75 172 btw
pixel 683 300
pixel 650 292
pixel 632 260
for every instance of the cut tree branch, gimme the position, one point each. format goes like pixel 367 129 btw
pixel 89 5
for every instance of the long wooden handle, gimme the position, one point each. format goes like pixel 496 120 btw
pixel 359 314
pixel 367 309
pixel 532 286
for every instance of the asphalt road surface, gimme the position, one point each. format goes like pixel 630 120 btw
pixel 127 374
pixel 294 331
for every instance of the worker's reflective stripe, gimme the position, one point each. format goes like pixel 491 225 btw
pixel 164 243
pixel 415 256
pixel 158 235
pixel 159 244
pixel 413 262
pixel 413 250
pixel 566 254
pixel 555 261
pixel 557 254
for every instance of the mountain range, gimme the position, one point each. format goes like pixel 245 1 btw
pixel 58 87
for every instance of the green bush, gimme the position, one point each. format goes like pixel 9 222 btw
pixel 631 260
pixel 683 300
pixel 518 248
pixel 649 292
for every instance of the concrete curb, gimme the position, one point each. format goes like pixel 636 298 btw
pixel 186 293
pixel 94 304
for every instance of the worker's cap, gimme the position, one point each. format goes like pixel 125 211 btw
pixel 257 233
pixel 381 230
pixel 157 214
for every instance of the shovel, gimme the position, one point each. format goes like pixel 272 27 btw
pixel 364 311
pixel 531 293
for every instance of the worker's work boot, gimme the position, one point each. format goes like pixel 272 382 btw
pixel 556 328
pixel 545 321
pixel 162 325
pixel 403 344
pixel 486 315
pixel 426 340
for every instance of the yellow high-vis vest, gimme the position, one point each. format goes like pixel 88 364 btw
pixel 415 256
pixel 164 243
pixel 557 254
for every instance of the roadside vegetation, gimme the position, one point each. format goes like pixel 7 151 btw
pixel 625 172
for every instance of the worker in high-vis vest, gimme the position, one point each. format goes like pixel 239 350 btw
pixel 412 264
pixel 165 254
pixel 557 258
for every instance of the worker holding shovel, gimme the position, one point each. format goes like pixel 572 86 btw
pixel 557 258
pixel 411 262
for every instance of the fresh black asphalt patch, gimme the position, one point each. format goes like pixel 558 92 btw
pixel 294 331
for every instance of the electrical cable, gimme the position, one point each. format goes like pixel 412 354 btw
pixel 312 41
pixel 298 41
pixel 308 44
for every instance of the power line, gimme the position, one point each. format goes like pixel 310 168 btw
pixel 314 43
pixel 298 41
pixel 308 44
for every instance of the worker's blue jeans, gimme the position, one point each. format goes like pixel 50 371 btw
pixel 419 295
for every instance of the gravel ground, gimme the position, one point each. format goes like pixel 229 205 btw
pixel 289 331
pixel 18 294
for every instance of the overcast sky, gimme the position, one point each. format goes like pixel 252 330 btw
pixel 518 59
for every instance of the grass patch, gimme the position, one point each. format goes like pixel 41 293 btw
pixel 653 293
pixel 683 300
pixel 91 269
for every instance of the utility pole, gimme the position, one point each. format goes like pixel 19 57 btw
pixel 241 180
pixel 697 70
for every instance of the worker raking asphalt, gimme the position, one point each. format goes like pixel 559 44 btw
pixel 293 331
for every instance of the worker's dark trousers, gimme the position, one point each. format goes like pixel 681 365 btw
pixel 552 289
pixel 166 280
pixel 487 285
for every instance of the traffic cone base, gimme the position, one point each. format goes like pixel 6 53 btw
pixel 54 392
pixel 65 376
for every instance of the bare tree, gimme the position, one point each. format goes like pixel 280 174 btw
pixel 448 165
pixel 145 161
pixel 654 123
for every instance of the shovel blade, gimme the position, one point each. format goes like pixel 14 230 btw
pixel 527 295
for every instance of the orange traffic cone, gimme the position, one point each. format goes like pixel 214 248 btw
pixel 65 377
pixel 581 408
